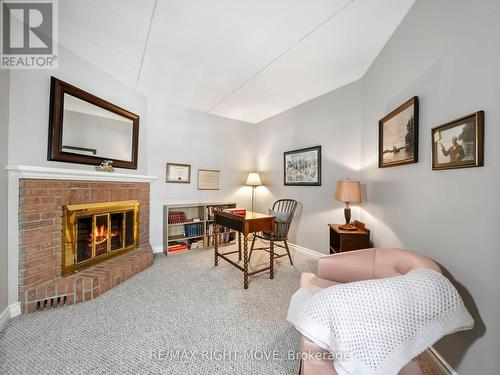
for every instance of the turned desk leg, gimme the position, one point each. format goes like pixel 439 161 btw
pixel 239 246
pixel 245 262
pixel 216 244
pixel 271 259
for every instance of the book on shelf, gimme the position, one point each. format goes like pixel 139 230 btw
pixel 211 209
pixel 195 243
pixel 177 246
pixel 193 230
pixel 176 217
pixel 190 244
pixel 226 235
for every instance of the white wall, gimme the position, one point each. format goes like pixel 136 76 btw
pixel 332 121
pixel 4 118
pixel 181 135
pixel 446 52
pixel 29 108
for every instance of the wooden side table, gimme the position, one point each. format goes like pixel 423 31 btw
pixel 347 240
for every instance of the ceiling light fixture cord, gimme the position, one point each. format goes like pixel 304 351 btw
pixel 146 43
pixel 281 55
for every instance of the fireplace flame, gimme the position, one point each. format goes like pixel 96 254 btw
pixel 101 235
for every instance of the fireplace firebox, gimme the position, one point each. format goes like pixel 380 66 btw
pixel 96 232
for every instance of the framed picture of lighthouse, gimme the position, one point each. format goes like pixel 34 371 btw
pixel 398 136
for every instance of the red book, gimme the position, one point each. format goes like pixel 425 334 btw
pixel 238 211
pixel 172 249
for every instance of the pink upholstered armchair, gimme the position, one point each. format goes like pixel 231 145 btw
pixel 352 266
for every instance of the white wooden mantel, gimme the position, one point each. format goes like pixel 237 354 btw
pixel 17 172
pixel 48 173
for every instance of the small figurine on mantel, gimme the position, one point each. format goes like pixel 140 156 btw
pixel 105 166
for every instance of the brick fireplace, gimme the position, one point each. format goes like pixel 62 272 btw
pixel 43 206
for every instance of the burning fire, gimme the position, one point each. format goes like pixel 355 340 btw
pixel 101 235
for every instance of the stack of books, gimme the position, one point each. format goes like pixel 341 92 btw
pixel 195 243
pixel 176 217
pixel 177 246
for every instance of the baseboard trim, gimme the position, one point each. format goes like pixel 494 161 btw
pixel 15 309
pixel 157 249
pixel 305 250
pixel 4 318
pixel 8 313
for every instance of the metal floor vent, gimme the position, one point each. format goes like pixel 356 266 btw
pixel 50 303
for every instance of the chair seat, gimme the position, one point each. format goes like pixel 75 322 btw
pixel 283 211
pixel 270 236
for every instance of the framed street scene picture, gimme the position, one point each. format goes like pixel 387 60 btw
pixel 178 173
pixel 302 167
pixel 208 179
pixel 398 136
pixel 459 143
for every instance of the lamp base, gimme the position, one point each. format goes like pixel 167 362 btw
pixel 347 215
pixel 347 227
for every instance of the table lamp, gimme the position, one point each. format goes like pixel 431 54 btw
pixel 253 180
pixel 349 192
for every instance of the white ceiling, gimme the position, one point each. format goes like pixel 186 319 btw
pixel 243 59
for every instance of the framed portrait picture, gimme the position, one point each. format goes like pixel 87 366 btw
pixel 459 143
pixel 178 173
pixel 398 136
pixel 302 167
pixel 208 179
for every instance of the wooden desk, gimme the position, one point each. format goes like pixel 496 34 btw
pixel 244 225
pixel 347 240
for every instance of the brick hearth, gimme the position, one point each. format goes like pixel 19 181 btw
pixel 87 284
pixel 41 205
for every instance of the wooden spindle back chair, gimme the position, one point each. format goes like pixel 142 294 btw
pixel 281 229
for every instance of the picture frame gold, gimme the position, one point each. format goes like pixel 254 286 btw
pixel 459 143
pixel 208 179
pixel 177 173
pixel 398 135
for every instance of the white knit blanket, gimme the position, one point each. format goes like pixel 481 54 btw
pixel 378 326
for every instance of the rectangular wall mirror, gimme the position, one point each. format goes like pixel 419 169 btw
pixel 86 129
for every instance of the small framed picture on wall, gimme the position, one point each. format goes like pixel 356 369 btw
pixel 398 136
pixel 178 173
pixel 459 143
pixel 208 179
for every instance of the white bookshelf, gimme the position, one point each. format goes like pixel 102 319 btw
pixel 195 213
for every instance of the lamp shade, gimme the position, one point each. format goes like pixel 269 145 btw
pixel 348 191
pixel 253 179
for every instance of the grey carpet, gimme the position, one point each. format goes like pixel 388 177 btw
pixel 180 316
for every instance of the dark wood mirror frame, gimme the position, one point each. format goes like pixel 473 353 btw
pixel 55 153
